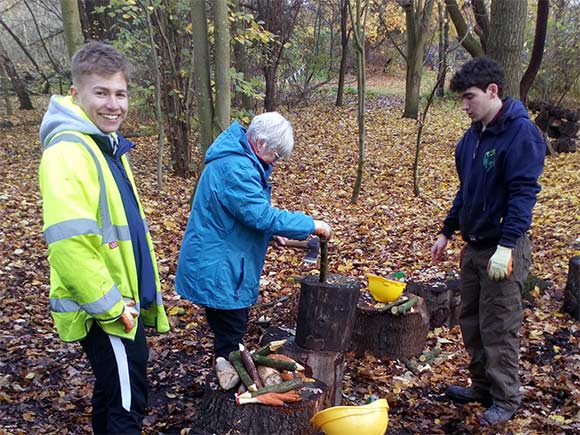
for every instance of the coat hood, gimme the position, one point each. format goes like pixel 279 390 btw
pixel 63 114
pixel 510 110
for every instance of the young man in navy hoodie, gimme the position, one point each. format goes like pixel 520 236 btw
pixel 498 161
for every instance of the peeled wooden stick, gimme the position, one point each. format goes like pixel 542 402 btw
pixel 403 308
pixel 390 305
pixel 266 399
pixel 249 365
pixel 236 361
pixel 278 362
pixel 271 347
pixel 293 384
pixel 272 399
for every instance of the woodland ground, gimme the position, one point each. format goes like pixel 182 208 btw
pixel 45 386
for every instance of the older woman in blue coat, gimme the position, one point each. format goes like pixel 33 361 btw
pixel 231 223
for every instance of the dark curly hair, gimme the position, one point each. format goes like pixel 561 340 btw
pixel 480 72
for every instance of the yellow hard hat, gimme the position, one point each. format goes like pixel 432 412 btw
pixel 371 419
pixel 385 290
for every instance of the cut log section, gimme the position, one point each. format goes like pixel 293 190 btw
pixel 384 334
pixel 572 292
pixel 219 414
pixel 326 313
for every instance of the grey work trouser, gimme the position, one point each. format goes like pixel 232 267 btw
pixel 490 319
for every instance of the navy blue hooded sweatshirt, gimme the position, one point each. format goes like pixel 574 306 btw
pixel 498 173
pixel 143 261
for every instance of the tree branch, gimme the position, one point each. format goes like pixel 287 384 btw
pixel 471 44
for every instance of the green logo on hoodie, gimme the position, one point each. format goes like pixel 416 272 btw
pixel 489 160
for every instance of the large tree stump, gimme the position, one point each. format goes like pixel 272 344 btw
pixel 572 292
pixel 442 299
pixel 219 414
pixel 326 312
pixel 326 366
pixel 384 334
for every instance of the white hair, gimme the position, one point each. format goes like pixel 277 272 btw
pixel 274 130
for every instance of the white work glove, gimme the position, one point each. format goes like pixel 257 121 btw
pixel 322 229
pixel 500 264
pixel 129 315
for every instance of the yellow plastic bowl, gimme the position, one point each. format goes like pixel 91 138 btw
pixel 385 290
pixel 371 419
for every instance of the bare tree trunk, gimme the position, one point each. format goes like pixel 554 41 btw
pixel 45 48
pixel 279 18
pixel 417 18
pixel 157 72
pixel 537 50
pixel 28 55
pixel 17 84
pixel 171 39
pixel 270 77
pixel 5 90
pixel 506 40
pixel 344 37
pixel 241 61
pixel 482 20
pixel 442 49
pixel 73 33
pixel 464 32
pixel 419 144
pixel 222 65
pixel 358 24
pixel 202 74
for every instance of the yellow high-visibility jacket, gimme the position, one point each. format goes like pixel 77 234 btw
pixel 92 264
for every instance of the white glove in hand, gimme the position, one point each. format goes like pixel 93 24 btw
pixel 129 315
pixel 322 229
pixel 500 264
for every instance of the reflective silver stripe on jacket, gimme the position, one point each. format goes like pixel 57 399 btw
pixel 78 227
pixel 105 303
pixel 75 227
pixel 71 228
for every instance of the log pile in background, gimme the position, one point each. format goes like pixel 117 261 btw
pixel 558 123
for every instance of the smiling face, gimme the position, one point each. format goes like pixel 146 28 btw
pixel 104 98
pixel 481 105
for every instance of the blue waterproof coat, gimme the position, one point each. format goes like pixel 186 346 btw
pixel 230 225
pixel 498 179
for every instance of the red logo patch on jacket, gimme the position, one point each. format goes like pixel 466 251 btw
pixel 113 244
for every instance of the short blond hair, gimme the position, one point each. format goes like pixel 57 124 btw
pixel 98 58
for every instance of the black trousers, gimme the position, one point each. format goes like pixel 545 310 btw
pixel 120 392
pixel 229 327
